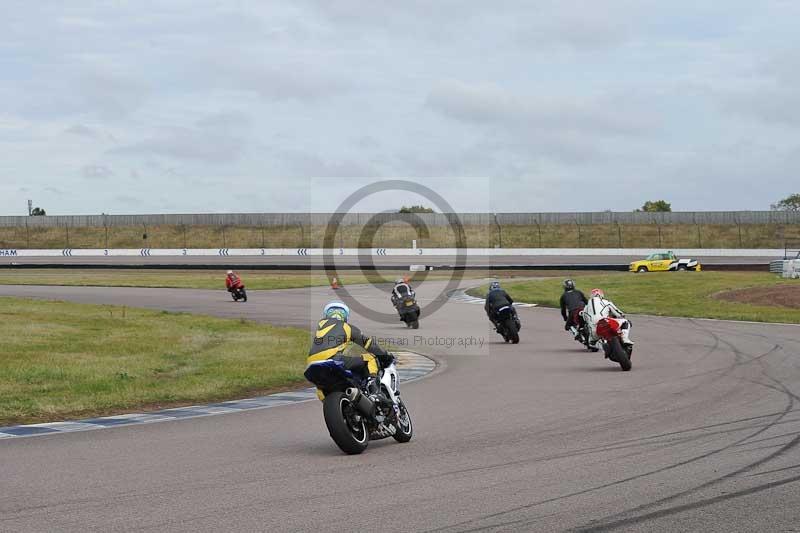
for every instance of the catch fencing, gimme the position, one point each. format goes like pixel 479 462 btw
pixel 429 219
pixel 713 229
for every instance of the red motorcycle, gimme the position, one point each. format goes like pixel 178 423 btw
pixel 613 335
pixel 580 329
pixel 236 288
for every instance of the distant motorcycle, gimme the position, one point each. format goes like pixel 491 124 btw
pixel 507 323
pixel 239 293
pixel 358 409
pixel 409 311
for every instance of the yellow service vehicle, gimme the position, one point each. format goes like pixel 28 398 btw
pixel 664 262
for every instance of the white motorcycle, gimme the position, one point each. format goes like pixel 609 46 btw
pixel 358 410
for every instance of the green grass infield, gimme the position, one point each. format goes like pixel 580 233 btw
pixel 63 360
pixel 206 279
pixel 681 294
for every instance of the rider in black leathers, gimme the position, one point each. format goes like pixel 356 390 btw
pixel 400 291
pixel 572 303
pixel 496 299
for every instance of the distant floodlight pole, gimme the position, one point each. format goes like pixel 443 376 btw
pixel 30 207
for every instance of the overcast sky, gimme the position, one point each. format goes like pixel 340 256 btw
pixel 554 105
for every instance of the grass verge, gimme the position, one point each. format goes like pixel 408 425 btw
pixel 210 279
pixel 63 360
pixel 684 294
pixel 180 279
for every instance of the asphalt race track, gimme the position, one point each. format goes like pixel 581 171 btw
pixel 702 435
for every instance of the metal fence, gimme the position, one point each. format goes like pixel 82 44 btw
pixel 429 219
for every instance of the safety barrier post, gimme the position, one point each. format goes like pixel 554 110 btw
pixel 739 227
pixel 539 229
pixel 619 234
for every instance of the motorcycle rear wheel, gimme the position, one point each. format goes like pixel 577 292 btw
pixel 619 354
pixel 511 329
pixel 350 436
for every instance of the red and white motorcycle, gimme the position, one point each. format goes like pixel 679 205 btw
pixel 613 336
pixel 608 328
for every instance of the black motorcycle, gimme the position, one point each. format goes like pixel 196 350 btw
pixel 507 323
pixel 359 409
pixel 409 311
pixel 239 294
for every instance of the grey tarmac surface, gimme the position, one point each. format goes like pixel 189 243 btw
pixel 388 261
pixel 702 435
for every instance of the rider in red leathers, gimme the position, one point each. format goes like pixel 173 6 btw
pixel 233 281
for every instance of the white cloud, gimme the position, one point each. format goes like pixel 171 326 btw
pixel 96 172
pixel 547 100
pixel 489 104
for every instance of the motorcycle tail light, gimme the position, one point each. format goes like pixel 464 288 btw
pixel 607 328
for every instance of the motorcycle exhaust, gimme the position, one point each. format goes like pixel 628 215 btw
pixel 363 405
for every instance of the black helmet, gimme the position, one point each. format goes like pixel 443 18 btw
pixel 569 285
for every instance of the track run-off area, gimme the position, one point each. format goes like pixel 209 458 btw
pixel 703 434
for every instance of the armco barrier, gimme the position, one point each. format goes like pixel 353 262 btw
pixel 399 252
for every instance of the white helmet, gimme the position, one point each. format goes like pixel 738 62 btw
pixel 336 309
pixel 230 272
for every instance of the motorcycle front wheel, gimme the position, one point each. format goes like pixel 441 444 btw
pixel 405 429
pixel 347 429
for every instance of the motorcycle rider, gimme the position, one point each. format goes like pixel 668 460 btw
pixel 232 281
pixel 496 299
pixel 572 303
pixel 334 335
pixel 400 291
pixel 598 308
